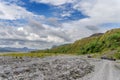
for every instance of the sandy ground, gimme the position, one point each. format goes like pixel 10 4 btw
pixel 58 68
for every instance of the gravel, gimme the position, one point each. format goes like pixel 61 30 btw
pixel 49 68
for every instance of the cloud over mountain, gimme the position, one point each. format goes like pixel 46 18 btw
pixel 54 22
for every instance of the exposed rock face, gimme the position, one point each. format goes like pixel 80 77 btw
pixel 50 68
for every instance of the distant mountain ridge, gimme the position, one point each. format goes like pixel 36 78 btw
pixel 10 49
pixel 96 34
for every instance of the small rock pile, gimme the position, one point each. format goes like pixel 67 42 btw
pixel 51 68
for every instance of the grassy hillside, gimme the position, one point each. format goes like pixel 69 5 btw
pixel 102 43
pixel 107 44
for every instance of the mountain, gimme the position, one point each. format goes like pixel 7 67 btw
pixel 4 50
pixel 96 43
pixel 96 34
pixel 9 49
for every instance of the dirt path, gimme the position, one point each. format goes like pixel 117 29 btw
pixel 107 70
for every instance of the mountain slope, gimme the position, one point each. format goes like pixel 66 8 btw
pixel 93 44
pixel 4 50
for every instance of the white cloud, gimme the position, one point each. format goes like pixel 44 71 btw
pixel 100 11
pixel 33 35
pixel 12 11
pixel 42 32
pixel 54 2
pixel 76 30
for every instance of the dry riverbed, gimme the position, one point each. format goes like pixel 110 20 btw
pixel 57 68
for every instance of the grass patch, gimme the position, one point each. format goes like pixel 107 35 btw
pixel 40 55
pixel 117 55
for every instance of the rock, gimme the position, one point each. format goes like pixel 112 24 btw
pixel 50 68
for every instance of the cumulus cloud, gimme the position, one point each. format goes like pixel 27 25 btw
pixel 12 11
pixel 42 32
pixel 21 36
pixel 39 32
pixel 100 11
pixel 27 43
pixel 32 35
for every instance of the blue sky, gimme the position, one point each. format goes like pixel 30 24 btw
pixel 44 23
pixel 49 10
pixel 38 8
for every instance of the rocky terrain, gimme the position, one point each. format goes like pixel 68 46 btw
pixel 58 68
pixel 49 68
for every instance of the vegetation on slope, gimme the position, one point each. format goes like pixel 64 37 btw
pixel 107 44
pixel 32 55
pixel 94 44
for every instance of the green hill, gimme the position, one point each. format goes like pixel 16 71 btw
pixel 96 43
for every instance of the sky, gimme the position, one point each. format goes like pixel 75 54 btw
pixel 41 24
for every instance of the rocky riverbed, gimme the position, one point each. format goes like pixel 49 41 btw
pixel 49 68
